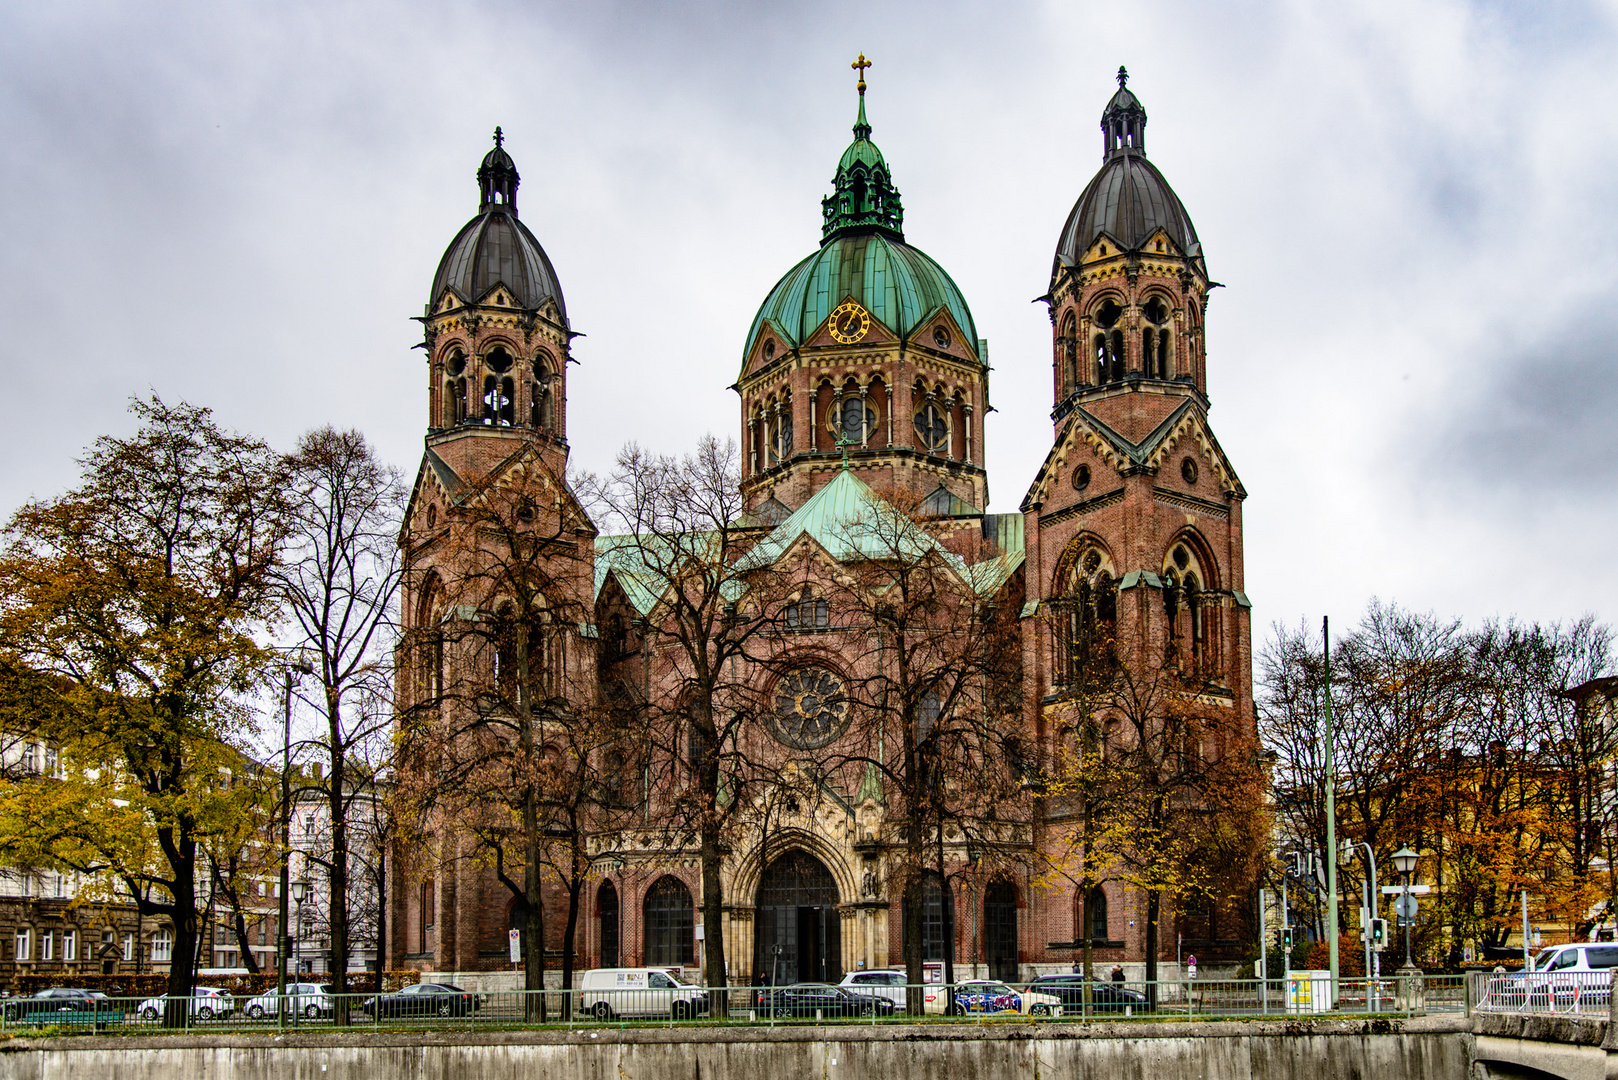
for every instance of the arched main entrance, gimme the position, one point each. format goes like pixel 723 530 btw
pixel 797 932
pixel 607 913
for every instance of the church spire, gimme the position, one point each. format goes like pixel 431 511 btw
pixel 1123 122
pixel 863 198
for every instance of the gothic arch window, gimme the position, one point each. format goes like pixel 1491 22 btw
pixel 932 426
pixel 1097 909
pixel 1155 341
pixel 778 431
pixel 1067 347
pixel 607 921
pixel 1086 612
pixel 668 921
pixel 1187 575
pixel 1000 929
pixel 431 638
pixel 1109 341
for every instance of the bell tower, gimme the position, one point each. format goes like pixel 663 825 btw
pixel 1135 520
pixel 496 336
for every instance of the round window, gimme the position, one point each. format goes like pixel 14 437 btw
pixel 1081 478
pixel 941 337
pixel 457 362
pixel 769 350
pixel 1188 470
pixel 810 708
pixel 932 429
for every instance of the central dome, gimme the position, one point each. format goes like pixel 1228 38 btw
pixel 862 255
pixel 898 284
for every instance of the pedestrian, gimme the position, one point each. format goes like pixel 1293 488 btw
pixel 1117 975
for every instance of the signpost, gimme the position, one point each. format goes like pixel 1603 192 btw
pixel 515 939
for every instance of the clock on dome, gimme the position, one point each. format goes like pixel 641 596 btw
pixel 850 322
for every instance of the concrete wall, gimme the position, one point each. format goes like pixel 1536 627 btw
pixel 1420 1049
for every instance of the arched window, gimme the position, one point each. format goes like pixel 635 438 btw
pixel 1097 909
pixel 431 639
pixel 1067 350
pixel 424 915
pixel 607 919
pixel 1000 930
pixel 778 432
pixel 1087 614
pixel 668 922
pixel 1109 342
pixel 932 428
pixel 1185 579
pixel 930 916
pixel 854 418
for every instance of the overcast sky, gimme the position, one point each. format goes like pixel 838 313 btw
pixel 1410 206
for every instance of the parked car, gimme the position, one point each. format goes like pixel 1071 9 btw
pixel 989 996
pixel 1105 997
pixel 311 1000
pixel 60 1005
pixel 207 1002
pixel 820 1000
pixel 886 985
pixel 423 999
pixel 607 993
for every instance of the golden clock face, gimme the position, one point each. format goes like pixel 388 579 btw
pixel 850 322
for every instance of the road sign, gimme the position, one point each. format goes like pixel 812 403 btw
pixel 515 938
pixel 1406 907
pixel 1398 890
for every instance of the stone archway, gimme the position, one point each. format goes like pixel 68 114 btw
pixel 797 929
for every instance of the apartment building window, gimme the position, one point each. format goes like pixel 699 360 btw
pixel 25 943
pixel 129 946
pixel 47 945
pixel 261 937
pixel 29 763
pixel 53 762
pixel 70 945
pixel 162 947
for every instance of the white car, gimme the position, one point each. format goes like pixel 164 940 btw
pixel 311 1000
pixel 878 984
pixel 207 1002
pixel 609 993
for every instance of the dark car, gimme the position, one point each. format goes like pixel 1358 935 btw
pixel 1105 997
pixel 60 1005
pixel 822 999
pixel 424 999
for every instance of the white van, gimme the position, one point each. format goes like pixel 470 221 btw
pixel 610 993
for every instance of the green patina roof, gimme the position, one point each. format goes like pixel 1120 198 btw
pixel 899 285
pixel 862 254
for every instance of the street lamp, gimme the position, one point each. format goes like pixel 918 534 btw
pixel 1404 862
pixel 292 668
pixel 300 892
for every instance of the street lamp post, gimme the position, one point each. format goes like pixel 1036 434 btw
pixel 288 670
pixel 1404 861
pixel 1369 916
pixel 300 892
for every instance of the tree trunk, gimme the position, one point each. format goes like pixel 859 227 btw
pixel 1084 907
pixel 946 900
pixel 249 961
pixel 182 858
pixel 915 895
pixel 381 913
pixel 337 900
pixel 1153 906
pixel 713 940
pixel 575 886
pixel 534 930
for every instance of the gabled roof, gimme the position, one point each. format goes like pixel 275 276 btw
pixel 1118 451
pixel 850 522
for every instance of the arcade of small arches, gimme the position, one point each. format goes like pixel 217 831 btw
pixel 1112 342
pixel 496 388
pixel 861 414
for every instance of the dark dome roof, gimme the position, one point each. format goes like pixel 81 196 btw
pixel 495 248
pixel 1128 200
pixel 492 249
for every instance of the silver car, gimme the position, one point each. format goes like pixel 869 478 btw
pixel 310 1000
pixel 207 1002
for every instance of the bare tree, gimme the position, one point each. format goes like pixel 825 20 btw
pixel 684 529
pixel 340 580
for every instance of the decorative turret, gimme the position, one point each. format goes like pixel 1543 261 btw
pixel 497 177
pixel 863 197
pixel 1123 121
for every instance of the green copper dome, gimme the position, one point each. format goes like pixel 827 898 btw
pixel 862 254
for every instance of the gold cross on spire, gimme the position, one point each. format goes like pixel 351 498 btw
pixel 860 65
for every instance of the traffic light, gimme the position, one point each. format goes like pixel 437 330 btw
pixel 1286 938
pixel 1379 933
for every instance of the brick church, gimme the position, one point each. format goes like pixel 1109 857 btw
pixel 863 382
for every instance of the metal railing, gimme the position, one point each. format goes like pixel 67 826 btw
pixel 1305 994
pixel 1566 993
